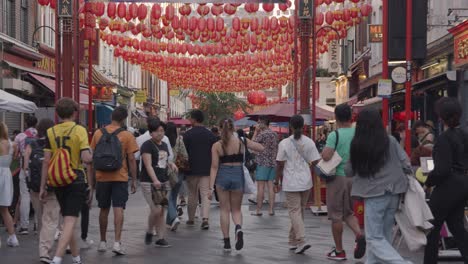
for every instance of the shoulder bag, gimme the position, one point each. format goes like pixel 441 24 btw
pixel 327 169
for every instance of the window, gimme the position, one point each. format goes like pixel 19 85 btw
pixel 8 17
pixel 24 22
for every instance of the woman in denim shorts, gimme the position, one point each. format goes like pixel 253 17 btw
pixel 227 174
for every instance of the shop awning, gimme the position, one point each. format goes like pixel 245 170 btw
pixel 12 103
pixel 283 111
pixel 99 80
pixel 26 68
pixel 104 114
pixel 50 85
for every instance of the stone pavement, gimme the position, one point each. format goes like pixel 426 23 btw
pixel 266 241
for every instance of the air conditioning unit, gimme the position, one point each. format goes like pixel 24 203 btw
pixel 19 85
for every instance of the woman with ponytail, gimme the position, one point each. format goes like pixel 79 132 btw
pixel 295 156
pixel 227 174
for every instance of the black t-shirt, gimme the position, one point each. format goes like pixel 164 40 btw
pixel 198 142
pixel 159 160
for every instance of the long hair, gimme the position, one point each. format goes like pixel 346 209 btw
pixel 297 124
pixel 370 146
pixel 171 133
pixel 450 111
pixel 43 125
pixel 227 130
pixel 3 131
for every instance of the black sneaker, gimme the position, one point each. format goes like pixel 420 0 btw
pixel 162 243
pixel 239 238
pixel 180 212
pixel 227 244
pixel 205 225
pixel 360 248
pixel 148 238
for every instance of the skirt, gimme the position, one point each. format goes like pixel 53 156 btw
pixel 6 187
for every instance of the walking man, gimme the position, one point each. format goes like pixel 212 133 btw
pixel 66 149
pixel 113 147
pixel 266 164
pixel 339 202
pixel 25 197
pixel 198 142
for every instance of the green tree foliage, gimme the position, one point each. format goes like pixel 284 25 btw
pixel 217 106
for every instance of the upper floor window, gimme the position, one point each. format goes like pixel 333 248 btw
pixel 24 22
pixel 7 25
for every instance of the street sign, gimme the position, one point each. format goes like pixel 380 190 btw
pixel 306 8
pixel 384 88
pixel 140 96
pixel 375 33
pixel 399 75
pixel 65 8
pixel 334 57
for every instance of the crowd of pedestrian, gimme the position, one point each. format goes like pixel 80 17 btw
pixel 61 172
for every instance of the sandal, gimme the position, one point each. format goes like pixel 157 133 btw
pixel 256 214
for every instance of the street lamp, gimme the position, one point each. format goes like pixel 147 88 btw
pixel 36 43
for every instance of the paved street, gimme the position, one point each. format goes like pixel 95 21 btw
pixel 266 241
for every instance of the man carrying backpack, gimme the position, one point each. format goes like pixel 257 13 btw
pixel 66 149
pixel 113 147
pixel 25 198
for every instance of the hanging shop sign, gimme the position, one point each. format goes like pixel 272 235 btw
pixel 399 75
pixel 306 9
pixel 65 8
pixel 334 57
pixel 375 33
pixel 384 88
pixel 460 44
pixel 140 97
pixel 84 49
pixel 174 93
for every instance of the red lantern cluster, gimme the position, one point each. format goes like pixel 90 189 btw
pixel 239 114
pixel 256 97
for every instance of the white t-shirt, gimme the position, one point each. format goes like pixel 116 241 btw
pixel 296 173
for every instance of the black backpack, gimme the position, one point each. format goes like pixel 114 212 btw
pixel 35 166
pixel 108 153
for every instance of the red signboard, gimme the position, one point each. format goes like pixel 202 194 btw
pixel 460 42
pixel 375 33
pixel 84 44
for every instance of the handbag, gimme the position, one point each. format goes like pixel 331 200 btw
pixel 326 170
pixel 173 177
pixel 249 159
pixel 182 161
pixel 159 196
pixel 249 185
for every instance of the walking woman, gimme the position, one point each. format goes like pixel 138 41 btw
pixel 450 178
pixel 6 184
pixel 180 153
pixel 227 173
pixel 155 181
pixel 377 165
pixel 295 156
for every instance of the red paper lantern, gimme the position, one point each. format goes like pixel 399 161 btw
pixel 142 12
pixel 122 10
pixel 203 10
pixel 219 24
pixel 239 114
pixel 53 4
pixel 230 9
pixel 268 7
pixel 111 9
pixel 216 10
pixel 236 24
pixel 43 2
pixel 329 18
pixel 256 97
pixel 170 10
pixel 156 11
pixel 319 18
pixel 133 10
pixel 366 10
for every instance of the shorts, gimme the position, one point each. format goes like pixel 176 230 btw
pixel 339 201
pixel 71 198
pixel 155 199
pixel 265 173
pixel 230 178
pixel 115 193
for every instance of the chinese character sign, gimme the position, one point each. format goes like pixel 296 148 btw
pixel 65 8
pixel 306 8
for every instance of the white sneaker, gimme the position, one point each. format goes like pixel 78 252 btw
pixel 57 235
pixel 175 224
pixel 118 250
pixel 102 246
pixel 12 241
pixel 87 243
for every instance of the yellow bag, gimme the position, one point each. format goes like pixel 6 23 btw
pixel 60 171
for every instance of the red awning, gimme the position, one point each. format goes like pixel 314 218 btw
pixel 283 111
pixel 180 122
pixel 50 84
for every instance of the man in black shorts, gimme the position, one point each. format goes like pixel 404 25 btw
pixel 67 135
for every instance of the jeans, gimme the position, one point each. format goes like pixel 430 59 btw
pixel 173 195
pixel 380 218
pixel 25 201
